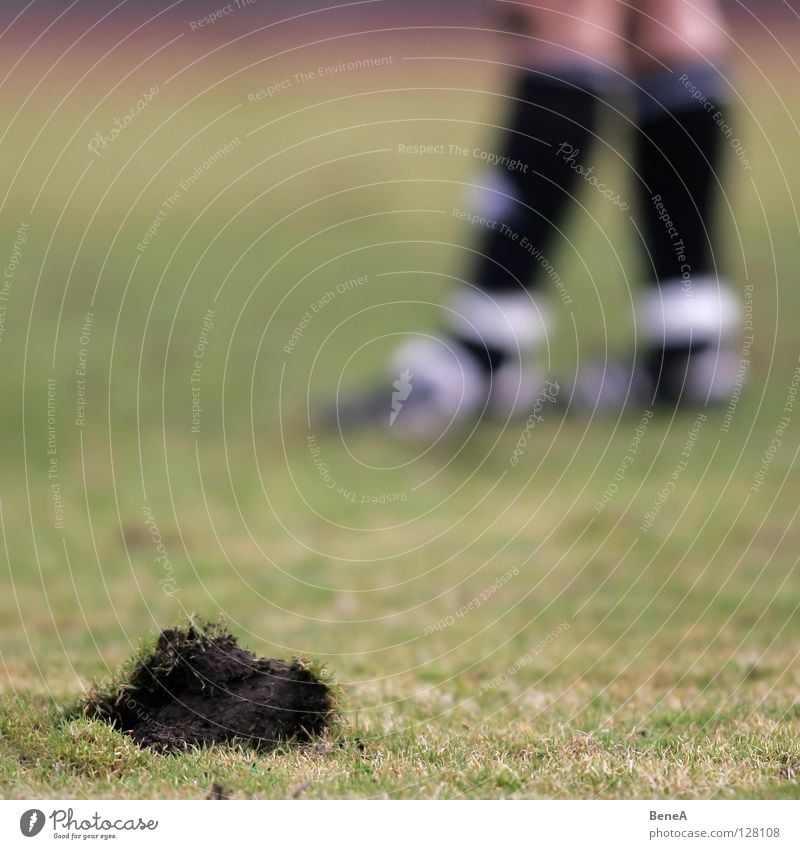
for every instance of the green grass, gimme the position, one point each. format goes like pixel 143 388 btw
pixel 677 675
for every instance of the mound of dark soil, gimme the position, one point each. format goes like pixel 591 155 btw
pixel 199 687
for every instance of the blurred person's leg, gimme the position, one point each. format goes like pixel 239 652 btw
pixel 497 323
pixel 689 317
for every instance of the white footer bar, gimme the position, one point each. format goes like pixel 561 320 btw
pixel 390 825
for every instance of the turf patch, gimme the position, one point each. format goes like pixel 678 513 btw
pixel 198 687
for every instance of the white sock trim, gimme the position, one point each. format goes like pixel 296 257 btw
pixel 512 322
pixel 678 312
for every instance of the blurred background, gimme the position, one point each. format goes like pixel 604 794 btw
pixel 176 198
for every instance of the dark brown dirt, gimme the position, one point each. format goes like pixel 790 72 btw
pixel 200 688
pixel 217 792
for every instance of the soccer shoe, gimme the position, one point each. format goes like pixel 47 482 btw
pixel 432 384
pixel 689 360
pixel 437 385
pixel 690 328
pixel 666 379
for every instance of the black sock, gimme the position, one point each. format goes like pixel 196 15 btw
pixel 678 153
pixel 550 130
pixel 679 148
pixel 488 357
pixel 549 133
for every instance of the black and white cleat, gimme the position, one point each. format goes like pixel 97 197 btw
pixel 664 380
pixel 374 408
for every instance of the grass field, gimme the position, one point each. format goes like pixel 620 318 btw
pixel 591 658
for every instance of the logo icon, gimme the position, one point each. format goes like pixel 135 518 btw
pixel 401 394
pixel 31 822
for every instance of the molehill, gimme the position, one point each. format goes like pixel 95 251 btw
pixel 198 687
